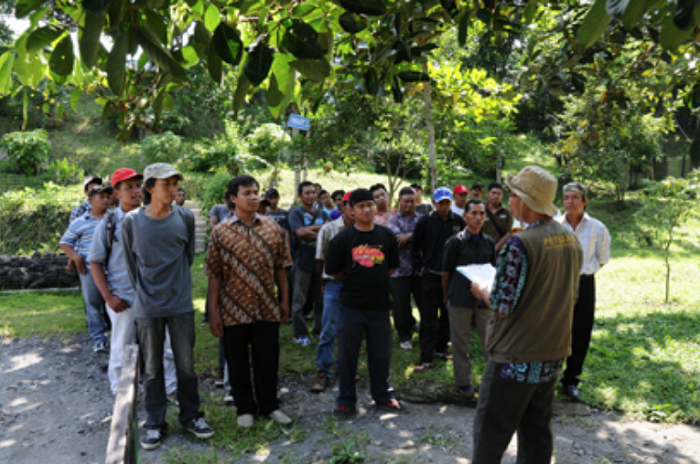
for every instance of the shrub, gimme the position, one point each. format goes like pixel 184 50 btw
pixel 64 172
pixel 215 189
pixel 165 148
pixel 267 140
pixel 28 150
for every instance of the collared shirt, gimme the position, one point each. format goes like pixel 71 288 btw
pixel 117 275
pixel 78 211
pixel 429 239
pixel 511 276
pixel 327 232
pixel 80 234
pixel 401 224
pixel 595 241
pixel 383 218
pixel 504 221
pixel 461 250
pixel 245 259
pixel 457 210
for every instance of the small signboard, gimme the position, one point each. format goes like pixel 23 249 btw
pixel 296 121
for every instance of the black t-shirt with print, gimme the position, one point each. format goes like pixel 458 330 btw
pixel 365 259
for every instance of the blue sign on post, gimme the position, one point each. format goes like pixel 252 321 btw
pixel 296 121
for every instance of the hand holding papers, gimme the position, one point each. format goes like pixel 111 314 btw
pixel 482 276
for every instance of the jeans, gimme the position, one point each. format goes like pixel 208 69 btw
pixel 401 290
pixel 584 316
pixel 506 406
pixel 151 331
pixel 376 327
pixel 94 309
pixel 434 321
pixel 331 306
pixel 259 340
pixel 302 281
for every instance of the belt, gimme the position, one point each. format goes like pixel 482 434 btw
pixel 587 276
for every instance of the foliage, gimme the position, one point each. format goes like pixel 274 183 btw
pixel 215 190
pixel 345 454
pixel 267 140
pixel 165 148
pixel 29 150
pixel 668 205
pixel 64 172
pixel 34 220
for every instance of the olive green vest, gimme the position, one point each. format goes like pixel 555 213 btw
pixel 540 327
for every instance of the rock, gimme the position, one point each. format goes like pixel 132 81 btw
pixel 431 393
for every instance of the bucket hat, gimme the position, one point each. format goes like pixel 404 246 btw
pixel 536 187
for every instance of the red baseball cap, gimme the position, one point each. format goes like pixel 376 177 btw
pixel 123 174
pixel 346 197
pixel 460 189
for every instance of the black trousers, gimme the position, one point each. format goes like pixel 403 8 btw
pixel 401 290
pixel 261 340
pixel 505 407
pixel 584 315
pixel 434 319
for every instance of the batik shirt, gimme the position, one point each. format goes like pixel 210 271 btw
pixel 511 277
pixel 400 224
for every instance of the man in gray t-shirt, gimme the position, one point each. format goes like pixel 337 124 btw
pixel 159 250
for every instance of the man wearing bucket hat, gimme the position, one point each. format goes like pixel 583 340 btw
pixel 595 240
pixel 158 242
pixel 529 335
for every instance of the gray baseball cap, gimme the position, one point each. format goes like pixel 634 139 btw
pixel 161 171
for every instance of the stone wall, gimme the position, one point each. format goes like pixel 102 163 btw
pixel 36 271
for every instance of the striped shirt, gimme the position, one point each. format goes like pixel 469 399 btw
pixel 327 232
pixel 79 235
pixel 245 259
pixel 595 241
pixel 78 211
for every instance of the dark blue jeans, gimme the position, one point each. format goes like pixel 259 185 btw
pixel 331 306
pixel 376 327
pixel 151 332
pixel 94 309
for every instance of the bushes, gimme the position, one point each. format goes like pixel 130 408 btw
pixel 28 150
pixel 166 148
pixel 34 220
pixel 64 172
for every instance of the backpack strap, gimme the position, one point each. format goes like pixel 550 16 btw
pixel 492 218
pixel 110 230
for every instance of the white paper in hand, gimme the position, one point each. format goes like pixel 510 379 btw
pixel 479 273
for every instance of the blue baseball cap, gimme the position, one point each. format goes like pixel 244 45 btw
pixel 443 193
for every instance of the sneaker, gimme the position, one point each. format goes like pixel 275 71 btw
pixel 280 417
pixel 218 383
pixel 422 367
pixel 172 397
pixel 99 347
pixel 443 356
pixel 407 345
pixel 393 406
pixel 573 392
pixel 152 440
pixel 303 341
pixel 228 397
pixel 245 421
pixel 467 391
pixel 322 382
pixel 343 412
pixel 199 428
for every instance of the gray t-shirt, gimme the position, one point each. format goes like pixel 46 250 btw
pixel 158 256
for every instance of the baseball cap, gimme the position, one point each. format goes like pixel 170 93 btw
pixel 272 192
pixel 346 197
pixel 359 196
pixel 478 185
pixel 460 189
pixel 416 185
pixel 91 180
pixel 161 171
pixel 122 174
pixel 443 193
pixel 576 187
pixel 102 189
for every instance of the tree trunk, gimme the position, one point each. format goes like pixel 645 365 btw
pixel 430 125
pixel 297 162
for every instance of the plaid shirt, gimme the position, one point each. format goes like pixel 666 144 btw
pixel 400 224
pixel 595 241
pixel 245 259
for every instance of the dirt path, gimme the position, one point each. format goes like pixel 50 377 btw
pixel 55 407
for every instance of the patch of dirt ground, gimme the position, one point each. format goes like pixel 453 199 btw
pixel 55 407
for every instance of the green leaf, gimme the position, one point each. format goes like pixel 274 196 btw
pixel 464 24
pixel 157 53
pixel 201 34
pixel 90 38
pixel 530 10
pixel 107 111
pixel 366 7
pixel 117 10
pixel 349 22
pixel 189 54
pixel 634 12
pixel 316 70
pixel 24 7
pixel 44 36
pixel 25 108
pixel 6 61
pixel 215 66
pixel 30 70
pixel 671 36
pixel 616 8
pixel 168 103
pixel 274 96
pixel 116 64
pixel 684 18
pixel 96 7
pixel 403 52
pixel 396 91
pixel 75 99
pixel 259 63
pixel 62 58
pixel 239 96
pixel 59 111
pixel 212 18
pixel 228 44
pixel 157 25
pixel 301 40
pixel 371 81
pixel 594 24
pixel 413 76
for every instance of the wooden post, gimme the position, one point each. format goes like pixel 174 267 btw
pixel 123 444
pixel 297 163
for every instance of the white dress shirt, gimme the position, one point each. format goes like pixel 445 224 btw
pixel 595 241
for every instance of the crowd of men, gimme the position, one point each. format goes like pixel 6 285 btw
pixel 350 263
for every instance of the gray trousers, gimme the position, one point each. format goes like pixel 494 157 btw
pixel 303 281
pixel 505 407
pixel 461 319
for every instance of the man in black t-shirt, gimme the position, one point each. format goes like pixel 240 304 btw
pixel 363 257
